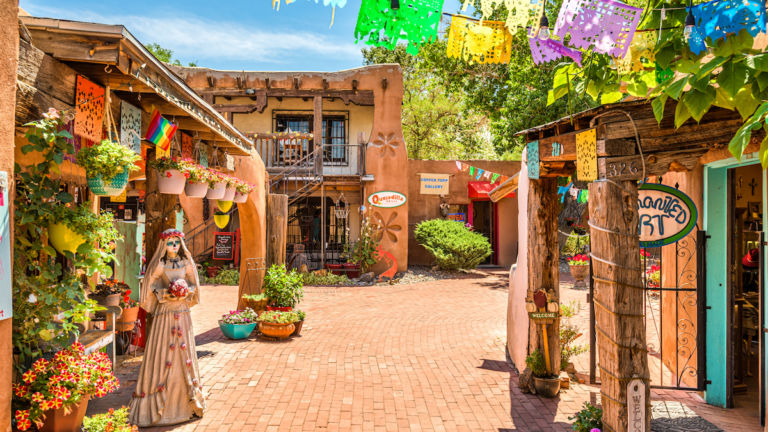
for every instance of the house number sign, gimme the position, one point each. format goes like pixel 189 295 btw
pixel 666 215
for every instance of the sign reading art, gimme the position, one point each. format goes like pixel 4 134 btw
pixel 434 184
pixel 386 199
pixel 666 215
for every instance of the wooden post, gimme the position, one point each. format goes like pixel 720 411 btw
pixel 322 225
pixel 317 131
pixel 277 228
pixel 618 299
pixel 160 210
pixel 543 262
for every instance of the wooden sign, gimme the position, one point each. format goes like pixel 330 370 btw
pixel 537 316
pixel 533 159
pixel 434 184
pixel 636 406
pixel 386 199
pixel 631 167
pixel 666 215
pixel 224 246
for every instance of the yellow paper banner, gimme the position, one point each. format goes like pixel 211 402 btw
pixel 642 46
pixel 486 42
pixel 586 155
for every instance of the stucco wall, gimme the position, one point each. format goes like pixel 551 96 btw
pixel 517 317
pixel 425 207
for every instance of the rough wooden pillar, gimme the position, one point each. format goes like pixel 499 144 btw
pixel 543 261
pixel 160 210
pixel 619 323
pixel 317 131
pixel 277 227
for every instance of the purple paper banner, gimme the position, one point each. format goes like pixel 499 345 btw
pixel 607 26
pixel 547 50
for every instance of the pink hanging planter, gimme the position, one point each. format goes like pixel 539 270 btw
pixel 240 198
pixel 217 191
pixel 196 189
pixel 229 193
pixel 171 182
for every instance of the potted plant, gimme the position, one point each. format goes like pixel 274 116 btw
pixel 127 320
pixel 231 188
pixel 238 324
pixel 546 384
pixel 589 419
pixel 216 185
pixel 579 265
pixel 55 392
pixel 172 177
pixel 108 293
pixel 277 324
pixel 107 166
pixel 257 302
pixel 71 227
pixel 197 180
pixel 243 189
pixel 284 289
pixel 300 315
pixel 114 420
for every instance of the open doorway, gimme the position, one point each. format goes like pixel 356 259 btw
pixel 484 221
pixel 745 213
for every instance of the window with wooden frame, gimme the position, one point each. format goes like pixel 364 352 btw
pixel 334 134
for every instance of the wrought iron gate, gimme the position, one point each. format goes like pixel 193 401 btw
pixel 675 314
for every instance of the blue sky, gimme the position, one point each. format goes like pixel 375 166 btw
pixel 231 34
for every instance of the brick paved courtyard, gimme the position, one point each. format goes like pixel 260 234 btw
pixel 421 357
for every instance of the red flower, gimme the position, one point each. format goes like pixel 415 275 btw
pixel 29 376
pixel 127 292
pixel 23 424
pixel 168 174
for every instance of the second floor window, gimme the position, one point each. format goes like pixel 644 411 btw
pixel 334 134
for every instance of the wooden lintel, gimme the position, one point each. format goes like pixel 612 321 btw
pixel 631 167
pixel 359 97
pixel 616 147
pixel 69 47
pixel 557 169
pixel 559 147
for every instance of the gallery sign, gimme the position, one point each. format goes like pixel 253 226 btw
pixel 666 215
pixel 386 199
pixel 434 184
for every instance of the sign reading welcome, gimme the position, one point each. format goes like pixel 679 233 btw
pixel 666 215
pixel 434 184
pixel 386 199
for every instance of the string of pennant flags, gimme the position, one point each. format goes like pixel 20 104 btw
pixel 581 196
pixel 481 174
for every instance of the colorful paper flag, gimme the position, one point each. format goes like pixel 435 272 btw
pixel 485 42
pixel 494 177
pixel 479 173
pixel 586 155
pixel 471 171
pixel 605 25
pixel 414 23
pixel 89 109
pixel 160 131
pixel 130 126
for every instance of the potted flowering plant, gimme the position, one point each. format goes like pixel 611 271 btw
pixel 277 324
pixel 114 420
pixel 579 265
pixel 171 175
pixel 238 324
pixel 243 189
pixel 257 302
pixel 284 289
pixel 107 166
pixel 231 187
pixel 127 320
pixel 197 179
pixel 300 315
pixel 71 227
pixel 216 185
pixel 108 293
pixel 55 392
pixel 653 276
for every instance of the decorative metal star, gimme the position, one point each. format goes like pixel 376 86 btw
pixel 389 227
pixel 387 143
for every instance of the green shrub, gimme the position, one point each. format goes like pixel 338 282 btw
pixel 226 277
pixel 535 362
pixel 327 279
pixel 452 244
pixel 575 244
pixel 591 417
pixel 116 420
pixel 284 289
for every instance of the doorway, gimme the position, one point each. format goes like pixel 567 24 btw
pixel 484 220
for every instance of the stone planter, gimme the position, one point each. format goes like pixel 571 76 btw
pixel 127 320
pixel 217 191
pixel 171 182
pixel 236 331
pixel 109 187
pixel 229 194
pixel 59 421
pixel 240 198
pixel 63 238
pixel 279 331
pixel 579 272
pixel 196 189
pixel 547 387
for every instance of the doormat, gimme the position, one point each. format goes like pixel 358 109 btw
pixel 669 416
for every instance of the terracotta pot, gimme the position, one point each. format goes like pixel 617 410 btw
pixel 280 308
pixel 217 191
pixel 352 270
pixel 240 198
pixel 335 268
pixel 229 193
pixel 58 421
pixel 547 387
pixel 127 320
pixel 196 189
pixel 298 325
pixel 212 271
pixel 63 238
pixel 171 182
pixel 579 272
pixel 279 331
pixel 107 300
pixel 109 187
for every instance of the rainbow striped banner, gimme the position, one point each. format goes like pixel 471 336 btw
pixel 160 131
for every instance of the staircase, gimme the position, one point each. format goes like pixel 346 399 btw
pixel 299 179
pixel 199 244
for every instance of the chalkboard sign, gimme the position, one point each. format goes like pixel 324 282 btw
pixel 224 246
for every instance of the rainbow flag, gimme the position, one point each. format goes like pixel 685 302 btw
pixel 160 131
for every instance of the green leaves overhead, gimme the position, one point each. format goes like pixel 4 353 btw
pixel 732 77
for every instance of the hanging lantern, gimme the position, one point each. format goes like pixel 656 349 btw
pixel 690 23
pixel 543 27
pixel 341 210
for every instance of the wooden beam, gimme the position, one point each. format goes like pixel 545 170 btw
pixel 317 131
pixel 631 167
pixel 359 97
pixel 277 228
pixel 72 47
pixel 41 82
pixel 619 321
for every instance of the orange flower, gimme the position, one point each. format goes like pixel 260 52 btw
pixel 23 424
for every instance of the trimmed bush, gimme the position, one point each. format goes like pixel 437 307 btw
pixel 452 244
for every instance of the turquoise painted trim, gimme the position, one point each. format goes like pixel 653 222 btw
pixel 765 265
pixel 747 159
pixel 715 224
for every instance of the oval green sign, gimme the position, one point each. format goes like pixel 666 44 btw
pixel 666 215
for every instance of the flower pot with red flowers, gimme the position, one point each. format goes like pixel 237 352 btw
pixel 243 190
pixel 276 324
pixel 127 320
pixel 212 271
pixel 217 186
pixel 114 420
pixel 283 288
pixel 579 265
pixel 107 166
pixel 230 190
pixel 56 392
pixel 109 292
pixel 300 315
pixel 197 180
pixel 171 175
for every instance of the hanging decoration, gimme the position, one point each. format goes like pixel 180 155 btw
pixel 479 42
pixel 76 141
pixel 586 155
pixel 641 47
pixel 547 50
pixel 130 126
pixel 718 18
pixel 89 109
pixel 160 131
pixel 187 149
pixel 523 13
pixel 533 159
pixel 606 25
pixel 581 196
pixel 414 21
pixel 203 155
pixel 478 173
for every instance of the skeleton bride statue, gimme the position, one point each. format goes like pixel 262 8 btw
pixel 168 390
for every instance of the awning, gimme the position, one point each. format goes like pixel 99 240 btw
pixel 505 189
pixel 482 189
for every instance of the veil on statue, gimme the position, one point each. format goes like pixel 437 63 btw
pixel 147 298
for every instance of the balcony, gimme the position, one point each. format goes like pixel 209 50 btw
pixel 294 152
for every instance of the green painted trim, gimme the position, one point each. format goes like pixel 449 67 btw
pixel 691 209
pixel 747 159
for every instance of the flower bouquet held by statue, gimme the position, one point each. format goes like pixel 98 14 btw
pixel 179 288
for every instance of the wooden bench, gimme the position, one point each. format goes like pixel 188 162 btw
pixel 95 339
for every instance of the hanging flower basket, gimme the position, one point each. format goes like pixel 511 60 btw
pixel 63 238
pixel 229 193
pixel 107 300
pixel 240 197
pixel 217 191
pixel 109 187
pixel 171 182
pixel 196 189
pixel 224 206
